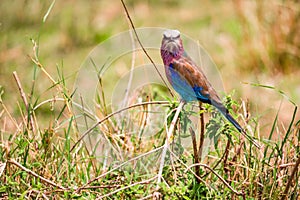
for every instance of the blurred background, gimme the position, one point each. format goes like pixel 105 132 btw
pixel 250 41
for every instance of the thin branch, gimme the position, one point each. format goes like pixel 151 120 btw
pixel 286 165
pixel 140 43
pixel 167 142
pixel 155 195
pixel 101 186
pixel 128 186
pixel 11 118
pixel 220 177
pixel 284 196
pixel 201 140
pixel 20 89
pixel 12 161
pixel 125 101
pixel 225 156
pixel 219 161
pixel 23 96
pixel 115 168
pixel 189 169
pixel 112 114
pixel 196 158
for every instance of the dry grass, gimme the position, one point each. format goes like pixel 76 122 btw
pixel 45 154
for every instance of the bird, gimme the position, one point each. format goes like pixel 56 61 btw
pixel 188 80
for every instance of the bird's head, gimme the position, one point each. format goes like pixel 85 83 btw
pixel 171 44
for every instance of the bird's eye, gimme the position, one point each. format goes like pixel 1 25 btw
pixel 175 34
pixel 167 34
pixel 176 37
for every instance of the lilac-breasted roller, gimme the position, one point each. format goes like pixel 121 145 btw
pixel 189 80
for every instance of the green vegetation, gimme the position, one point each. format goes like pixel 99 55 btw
pixel 43 154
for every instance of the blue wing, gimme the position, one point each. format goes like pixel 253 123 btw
pixel 189 81
pixel 180 84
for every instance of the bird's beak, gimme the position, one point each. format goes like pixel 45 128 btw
pixel 171 46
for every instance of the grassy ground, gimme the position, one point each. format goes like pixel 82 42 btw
pixel 256 48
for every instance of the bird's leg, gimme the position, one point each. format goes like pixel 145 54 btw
pixel 202 125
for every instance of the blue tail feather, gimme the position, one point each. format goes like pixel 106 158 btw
pixel 225 112
pixel 233 121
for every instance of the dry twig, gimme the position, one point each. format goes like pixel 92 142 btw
pixel 167 142
pixel 23 96
pixel 144 50
pixel 112 114
pixel 14 162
